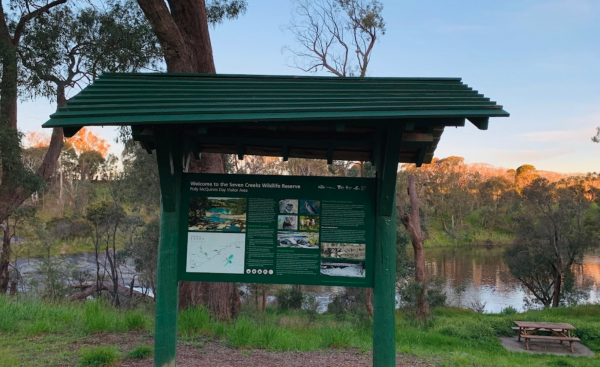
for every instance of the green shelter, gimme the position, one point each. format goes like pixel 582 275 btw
pixel 179 116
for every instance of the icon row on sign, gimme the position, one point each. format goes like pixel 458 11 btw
pixel 259 271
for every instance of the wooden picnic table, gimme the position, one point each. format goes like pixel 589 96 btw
pixel 560 331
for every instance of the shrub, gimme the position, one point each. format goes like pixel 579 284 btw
pixel 310 306
pixel 98 357
pixel 510 310
pixel 135 321
pixel 141 352
pixel 289 298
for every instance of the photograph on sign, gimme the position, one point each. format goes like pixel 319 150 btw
pixel 217 214
pixel 310 207
pixel 287 222
pixel 309 223
pixel 355 251
pixel 277 229
pixel 300 240
pixel 354 269
pixel 288 206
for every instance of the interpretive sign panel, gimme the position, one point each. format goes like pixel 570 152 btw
pixel 277 229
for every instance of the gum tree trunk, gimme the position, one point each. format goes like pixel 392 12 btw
pixel 182 30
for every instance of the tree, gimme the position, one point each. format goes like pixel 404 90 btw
pixel 57 49
pixel 552 235
pixel 87 140
pixel 335 35
pixel 596 139
pixel 181 27
pixel 105 217
pixel 412 222
pixel 16 182
pixel 524 176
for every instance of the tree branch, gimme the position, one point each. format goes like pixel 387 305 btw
pixel 27 17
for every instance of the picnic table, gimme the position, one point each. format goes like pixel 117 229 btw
pixel 558 330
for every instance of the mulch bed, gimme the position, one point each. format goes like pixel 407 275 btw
pixel 216 355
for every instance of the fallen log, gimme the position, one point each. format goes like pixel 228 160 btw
pixel 87 289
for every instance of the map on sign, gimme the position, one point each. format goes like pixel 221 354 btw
pixel 221 253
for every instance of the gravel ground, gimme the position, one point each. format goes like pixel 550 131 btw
pixel 216 355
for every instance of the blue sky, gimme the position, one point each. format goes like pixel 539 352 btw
pixel 540 59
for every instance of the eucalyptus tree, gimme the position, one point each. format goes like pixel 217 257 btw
pixel 182 29
pixel 337 36
pixel 552 235
pixel 17 182
pixel 47 49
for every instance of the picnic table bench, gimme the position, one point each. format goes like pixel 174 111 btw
pixel 561 332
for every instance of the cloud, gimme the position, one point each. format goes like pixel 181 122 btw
pixel 557 135
pixel 530 156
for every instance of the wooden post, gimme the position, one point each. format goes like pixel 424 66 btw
pixel 384 295
pixel 167 295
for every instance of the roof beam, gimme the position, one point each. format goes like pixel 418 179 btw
pixel 481 122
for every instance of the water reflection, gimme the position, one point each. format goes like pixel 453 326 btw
pixel 479 273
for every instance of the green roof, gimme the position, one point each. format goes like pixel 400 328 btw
pixel 229 101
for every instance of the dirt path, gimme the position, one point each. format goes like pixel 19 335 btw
pixel 217 355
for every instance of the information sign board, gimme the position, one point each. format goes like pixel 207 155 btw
pixel 277 229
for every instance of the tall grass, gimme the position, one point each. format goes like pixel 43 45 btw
pixel 453 336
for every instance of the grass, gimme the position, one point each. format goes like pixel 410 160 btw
pixel 141 352
pixel 36 334
pixel 99 356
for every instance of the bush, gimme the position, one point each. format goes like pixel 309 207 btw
pixel 310 306
pixel 409 294
pixel 135 321
pixel 98 357
pixel 289 298
pixel 510 310
pixel 141 352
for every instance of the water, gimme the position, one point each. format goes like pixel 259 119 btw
pixel 479 270
pixel 219 211
pixel 486 278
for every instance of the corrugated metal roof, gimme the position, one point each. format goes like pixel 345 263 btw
pixel 286 116
pixel 154 98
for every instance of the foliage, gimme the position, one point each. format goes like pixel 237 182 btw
pixel 218 10
pixel 596 139
pixel 552 235
pixel 87 141
pixel 98 356
pixel 289 298
pixel 410 292
pixel 141 352
pixel 67 46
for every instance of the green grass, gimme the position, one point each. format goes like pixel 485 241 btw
pixel 141 352
pixel 36 334
pixel 99 356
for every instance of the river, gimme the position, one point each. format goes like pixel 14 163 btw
pixel 480 271
pixel 485 277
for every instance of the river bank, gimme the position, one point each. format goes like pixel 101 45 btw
pixel 36 334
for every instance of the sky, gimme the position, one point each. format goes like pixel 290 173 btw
pixel 540 59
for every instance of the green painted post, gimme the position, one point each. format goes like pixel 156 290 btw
pixel 384 293
pixel 167 287
pixel 384 287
